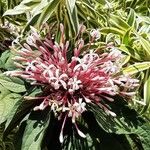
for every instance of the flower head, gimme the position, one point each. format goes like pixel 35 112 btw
pixel 72 84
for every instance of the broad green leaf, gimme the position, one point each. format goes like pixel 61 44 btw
pixel 146 93
pixel 12 83
pixel 37 124
pixel 24 7
pixel 134 142
pixel 116 21
pixel 5 55
pixel 38 9
pixel 71 4
pixel 97 138
pixel 20 9
pixel 7 102
pixel 72 12
pixel 6 105
pixel 137 67
pixel 31 22
pixel 48 11
pixel 9 64
pixel 30 2
pixel 90 8
pixel 145 29
pixel 6 61
pixel 106 30
pixel 21 109
pixel 145 44
pixel 131 18
pixel 130 51
pixel 124 123
pixel 126 37
pixel 3 92
pixel 143 132
pixel 125 60
pixel 100 139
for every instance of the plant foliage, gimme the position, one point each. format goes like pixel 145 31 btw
pixel 124 24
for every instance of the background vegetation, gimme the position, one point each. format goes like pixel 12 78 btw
pixel 126 24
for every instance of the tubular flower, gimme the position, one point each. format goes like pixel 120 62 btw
pixel 72 84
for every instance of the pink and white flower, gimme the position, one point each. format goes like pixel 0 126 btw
pixel 72 84
pixel 95 34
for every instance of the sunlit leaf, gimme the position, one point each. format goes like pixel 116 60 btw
pixel 114 30
pixel 121 124
pixel 20 9
pixel 146 93
pixel 6 105
pixel 137 67
pixel 126 37
pixel 47 12
pixel 131 18
pixel 118 22
pixel 24 7
pixel 145 44
pixel 12 84
pixel 35 129
pixel 20 110
pixel 72 12
pixel 143 133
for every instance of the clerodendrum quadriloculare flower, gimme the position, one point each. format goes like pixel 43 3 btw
pixel 86 78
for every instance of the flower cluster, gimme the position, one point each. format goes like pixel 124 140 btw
pixel 72 84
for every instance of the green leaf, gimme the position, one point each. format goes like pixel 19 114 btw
pixel 125 60
pixel 134 142
pixel 146 94
pixel 9 64
pixel 6 61
pixel 137 67
pixel 145 44
pixel 30 2
pixel 106 30
pixel 71 4
pixel 31 22
pixel 125 122
pixel 20 9
pixel 48 11
pixel 130 51
pixel 21 109
pixel 24 7
pixel 100 139
pixel 5 55
pixel 38 9
pixel 72 11
pixel 118 22
pixel 37 124
pixel 6 105
pixel 143 132
pixel 3 93
pixel 126 37
pixel 13 84
pixel 131 18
